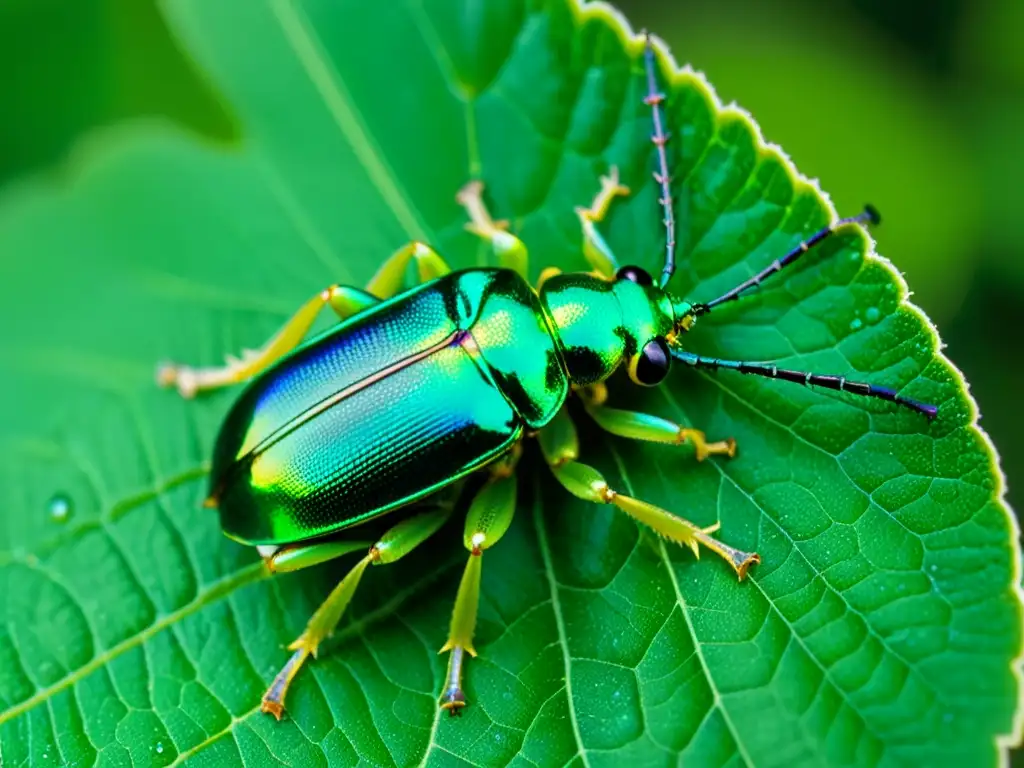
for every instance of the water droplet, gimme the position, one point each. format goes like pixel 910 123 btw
pixel 159 747
pixel 856 323
pixel 59 508
pixel 872 315
pixel 497 737
pixel 934 568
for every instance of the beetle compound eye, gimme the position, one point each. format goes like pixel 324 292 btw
pixel 634 275
pixel 653 364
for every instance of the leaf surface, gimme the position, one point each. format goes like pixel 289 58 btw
pixel 880 629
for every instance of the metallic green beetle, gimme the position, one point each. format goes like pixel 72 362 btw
pixel 413 392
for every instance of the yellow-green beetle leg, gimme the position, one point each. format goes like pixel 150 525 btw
pixel 344 300
pixel 295 557
pixel 596 251
pixel 393 545
pixel 509 249
pixel 489 516
pixel 390 277
pixel 560 447
pixel 644 426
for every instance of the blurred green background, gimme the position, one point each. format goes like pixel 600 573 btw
pixel 916 108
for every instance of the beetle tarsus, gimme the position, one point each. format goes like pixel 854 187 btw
pixel 273 699
pixel 270 707
pixel 480 221
pixel 179 376
pixel 703 448
pixel 453 700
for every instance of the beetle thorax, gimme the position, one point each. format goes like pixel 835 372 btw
pixel 600 324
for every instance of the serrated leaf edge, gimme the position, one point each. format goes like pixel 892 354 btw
pixel 633 43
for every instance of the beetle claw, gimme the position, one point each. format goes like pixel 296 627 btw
pixel 180 376
pixel 271 707
pixel 453 700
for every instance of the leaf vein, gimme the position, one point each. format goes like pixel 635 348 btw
pixel 545 550
pixel 217 591
pixel 339 103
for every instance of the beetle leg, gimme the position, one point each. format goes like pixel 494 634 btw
pixel 295 557
pixel 393 545
pixel 489 516
pixel 546 274
pixel 644 426
pixel 510 250
pixel 343 299
pixel 560 446
pixel 595 249
pixel 593 394
pixel 390 276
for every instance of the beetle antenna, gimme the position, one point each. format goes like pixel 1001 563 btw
pixel 839 383
pixel 659 138
pixel 869 216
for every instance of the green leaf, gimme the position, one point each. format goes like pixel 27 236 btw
pixel 882 627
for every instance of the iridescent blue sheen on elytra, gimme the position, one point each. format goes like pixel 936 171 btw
pixel 387 407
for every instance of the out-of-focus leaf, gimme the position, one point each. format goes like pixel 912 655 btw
pixel 71 67
pixel 994 105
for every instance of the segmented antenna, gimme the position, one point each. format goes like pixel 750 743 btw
pixel 869 216
pixel 839 383
pixel 654 100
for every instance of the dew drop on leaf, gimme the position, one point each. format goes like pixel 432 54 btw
pixel 59 508
pixel 856 323
pixel 872 315
pixel 159 747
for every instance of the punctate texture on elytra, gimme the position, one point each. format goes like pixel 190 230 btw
pixel 881 627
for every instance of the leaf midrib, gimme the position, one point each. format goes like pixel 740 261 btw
pixel 549 571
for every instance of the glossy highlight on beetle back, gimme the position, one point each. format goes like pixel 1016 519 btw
pixel 386 408
pixel 602 323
